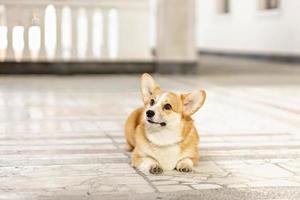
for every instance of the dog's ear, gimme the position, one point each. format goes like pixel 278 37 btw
pixel 193 101
pixel 147 86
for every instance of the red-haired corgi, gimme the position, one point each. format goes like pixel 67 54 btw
pixel 161 134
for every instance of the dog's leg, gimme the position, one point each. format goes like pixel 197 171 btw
pixel 129 147
pixel 185 165
pixel 150 165
pixel 146 165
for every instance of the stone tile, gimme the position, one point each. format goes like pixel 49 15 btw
pixel 173 188
pixel 190 179
pixel 159 178
pixel 55 141
pixel 167 182
pixel 111 126
pixel 116 133
pixel 209 167
pixel 229 180
pixel 232 165
pixel 92 184
pixel 111 169
pixel 263 171
pixel 58 146
pixel 274 183
pixel 206 186
pixel 292 165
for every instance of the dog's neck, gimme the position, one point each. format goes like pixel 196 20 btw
pixel 164 136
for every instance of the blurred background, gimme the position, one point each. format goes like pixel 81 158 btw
pixel 143 35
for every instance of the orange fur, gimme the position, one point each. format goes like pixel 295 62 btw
pixel 150 142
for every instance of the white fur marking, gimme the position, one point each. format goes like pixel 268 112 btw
pixel 165 148
pixel 162 97
pixel 146 165
pixel 158 103
pixel 164 140
pixel 167 156
pixel 163 136
pixel 185 163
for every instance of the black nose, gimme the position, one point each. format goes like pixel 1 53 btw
pixel 150 113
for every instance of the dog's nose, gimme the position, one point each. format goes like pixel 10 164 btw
pixel 150 113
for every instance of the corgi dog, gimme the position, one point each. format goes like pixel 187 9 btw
pixel 161 134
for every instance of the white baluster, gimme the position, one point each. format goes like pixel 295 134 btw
pixel 89 50
pixel 34 36
pixel 18 42
pixel 82 34
pixel 3 44
pixel 113 34
pixel 34 39
pixel 105 49
pixel 3 33
pixel 50 32
pixel 97 34
pixel 66 32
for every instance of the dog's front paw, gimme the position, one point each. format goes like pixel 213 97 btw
pixel 149 165
pixel 155 169
pixel 185 169
pixel 185 165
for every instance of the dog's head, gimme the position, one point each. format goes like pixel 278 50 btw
pixel 164 108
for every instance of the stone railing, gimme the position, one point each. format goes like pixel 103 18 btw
pixel 74 30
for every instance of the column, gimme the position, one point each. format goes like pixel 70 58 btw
pixel 176 43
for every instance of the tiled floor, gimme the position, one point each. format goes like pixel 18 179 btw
pixel 62 138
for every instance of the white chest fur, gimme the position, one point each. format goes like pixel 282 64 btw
pixel 167 156
pixel 164 145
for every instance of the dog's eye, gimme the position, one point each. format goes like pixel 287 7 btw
pixel 152 102
pixel 167 106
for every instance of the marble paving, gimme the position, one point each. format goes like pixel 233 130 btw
pixel 62 138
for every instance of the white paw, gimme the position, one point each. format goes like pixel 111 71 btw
pixel 185 165
pixel 148 165
pixel 156 169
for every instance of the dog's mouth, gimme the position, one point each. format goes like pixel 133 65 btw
pixel 160 123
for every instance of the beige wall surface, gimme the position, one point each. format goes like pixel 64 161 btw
pixel 247 28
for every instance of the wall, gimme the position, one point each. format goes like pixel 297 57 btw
pixel 249 30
